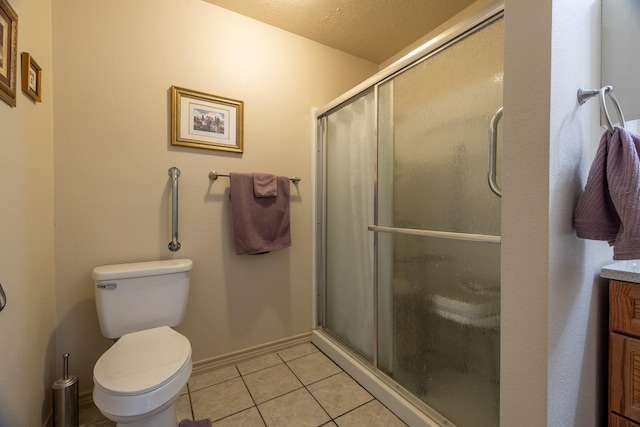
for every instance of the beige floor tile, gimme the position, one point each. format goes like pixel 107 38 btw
pixel 339 394
pixel 89 414
pixel 271 382
pixel 313 367
pixel 297 409
pixel 206 379
pixel 221 400
pixel 259 363
pixel 247 418
pixel 183 408
pixel 297 351
pixel 373 414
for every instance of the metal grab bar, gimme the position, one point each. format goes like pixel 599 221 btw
pixel 174 245
pixel 493 142
pixel 483 238
pixel 585 94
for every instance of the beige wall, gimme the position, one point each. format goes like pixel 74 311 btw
pixel 553 337
pixel 27 324
pixel 115 63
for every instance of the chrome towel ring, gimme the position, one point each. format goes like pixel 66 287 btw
pixel 585 94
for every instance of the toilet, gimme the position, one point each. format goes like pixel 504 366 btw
pixel 138 379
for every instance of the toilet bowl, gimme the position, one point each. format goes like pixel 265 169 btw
pixel 138 379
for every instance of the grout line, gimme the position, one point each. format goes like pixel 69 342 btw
pixel 193 416
pixel 305 386
pixel 255 404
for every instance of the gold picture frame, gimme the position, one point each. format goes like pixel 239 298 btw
pixel 31 77
pixel 8 52
pixel 202 120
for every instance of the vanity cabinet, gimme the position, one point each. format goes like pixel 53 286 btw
pixel 624 354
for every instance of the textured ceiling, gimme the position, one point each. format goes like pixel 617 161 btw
pixel 371 29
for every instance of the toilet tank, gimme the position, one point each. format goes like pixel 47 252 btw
pixel 142 295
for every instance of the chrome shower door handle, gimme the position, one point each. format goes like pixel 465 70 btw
pixel 493 142
pixel 3 298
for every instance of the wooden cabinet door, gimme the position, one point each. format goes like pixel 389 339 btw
pixel 624 308
pixel 624 376
pixel 616 421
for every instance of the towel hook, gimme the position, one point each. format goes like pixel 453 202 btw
pixel 585 94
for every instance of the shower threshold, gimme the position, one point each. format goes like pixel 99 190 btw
pixel 408 408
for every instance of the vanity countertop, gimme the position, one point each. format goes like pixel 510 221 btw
pixel 625 271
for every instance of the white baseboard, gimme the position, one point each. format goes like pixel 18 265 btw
pixel 236 357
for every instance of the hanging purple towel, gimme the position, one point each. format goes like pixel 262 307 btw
pixel 265 185
pixel 609 208
pixel 260 224
pixel 197 423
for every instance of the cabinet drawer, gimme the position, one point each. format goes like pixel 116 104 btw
pixel 624 376
pixel 624 308
pixel 616 421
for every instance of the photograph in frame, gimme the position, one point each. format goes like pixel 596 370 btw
pixel 8 52
pixel 31 77
pixel 202 120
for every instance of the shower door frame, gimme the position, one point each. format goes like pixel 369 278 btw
pixel 412 410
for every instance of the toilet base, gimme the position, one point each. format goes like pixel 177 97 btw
pixel 164 418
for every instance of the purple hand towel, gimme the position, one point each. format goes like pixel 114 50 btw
pixel 265 185
pixel 609 208
pixel 260 224
pixel 198 423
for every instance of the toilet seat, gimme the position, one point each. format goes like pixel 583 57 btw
pixel 141 374
pixel 142 361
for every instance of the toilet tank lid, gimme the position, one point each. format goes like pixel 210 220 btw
pixel 141 269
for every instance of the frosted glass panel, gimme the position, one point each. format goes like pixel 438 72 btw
pixel 349 208
pixel 434 122
pixel 438 299
pixel 445 340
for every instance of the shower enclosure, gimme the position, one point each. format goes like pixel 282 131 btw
pixel 409 225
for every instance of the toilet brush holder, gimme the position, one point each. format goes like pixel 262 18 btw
pixel 65 398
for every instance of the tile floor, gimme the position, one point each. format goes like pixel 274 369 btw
pixel 296 387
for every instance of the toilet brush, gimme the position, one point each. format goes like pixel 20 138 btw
pixel 65 398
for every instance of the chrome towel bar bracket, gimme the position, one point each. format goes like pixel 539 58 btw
pixel 174 244
pixel 214 175
pixel 585 94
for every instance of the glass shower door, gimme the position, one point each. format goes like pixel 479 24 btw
pixel 438 228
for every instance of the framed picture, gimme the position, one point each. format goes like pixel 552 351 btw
pixel 8 52
pixel 207 121
pixel 31 77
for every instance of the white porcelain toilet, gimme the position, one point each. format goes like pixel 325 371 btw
pixel 137 380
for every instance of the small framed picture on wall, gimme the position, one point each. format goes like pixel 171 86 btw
pixel 31 77
pixel 201 120
pixel 8 52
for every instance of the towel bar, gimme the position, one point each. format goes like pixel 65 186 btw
pixel 214 175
